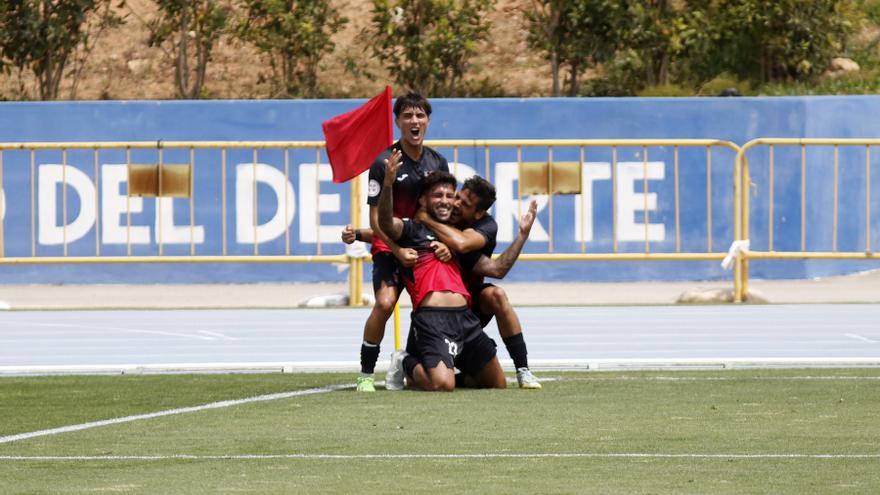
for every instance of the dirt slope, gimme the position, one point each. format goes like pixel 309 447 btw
pixel 123 67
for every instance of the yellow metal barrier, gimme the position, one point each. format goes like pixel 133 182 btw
pixel 583 148
pixel 160 147
pixel 804 144
pixel 484 149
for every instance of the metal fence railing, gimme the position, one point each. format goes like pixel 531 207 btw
pixel 194 155
pixel 714 185
pixel 773 167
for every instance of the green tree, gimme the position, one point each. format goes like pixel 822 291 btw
pixel 795 38
pixel 187 30
pixel 653 32
pixel 767 40
pixel 575 34
pixel 669 42
pixel 427 45
pixel 546 33
pixel 52 38
pixel 296 35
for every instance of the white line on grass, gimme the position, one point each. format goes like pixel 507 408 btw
pixel 170 412
pixel 707 378
pixel 346 457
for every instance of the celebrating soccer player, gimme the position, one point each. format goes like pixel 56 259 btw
pixel 412 115
pixel 445 333
pixel 472 232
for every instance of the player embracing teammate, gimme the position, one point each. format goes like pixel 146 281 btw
pixel 445 333
pixel 471 233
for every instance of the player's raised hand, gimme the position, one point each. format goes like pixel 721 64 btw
pixel 441 251
pixel 392 165
pixel 528 219
pixel 348 234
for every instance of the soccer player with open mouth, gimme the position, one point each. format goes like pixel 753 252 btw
pixel 412 117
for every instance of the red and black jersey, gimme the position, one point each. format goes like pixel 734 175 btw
pixel 429 273
pixel 408 186
pixel 489 229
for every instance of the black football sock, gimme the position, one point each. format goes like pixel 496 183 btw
pixel 516 347
pixel 369 356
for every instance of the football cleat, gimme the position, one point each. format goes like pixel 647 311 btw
pixel 396 374
pixel 526 379
pixel 366 384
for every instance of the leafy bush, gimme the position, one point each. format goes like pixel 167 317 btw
pixel 622 76
pixel 723 82
pixel 700 43
pixel 857 83
pixel 664 90
pixel 295 34
pixel 427 44
pixel 52 39
pixel 187 30
pixel 577 34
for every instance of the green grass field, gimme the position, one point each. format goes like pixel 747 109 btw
pixel 713 432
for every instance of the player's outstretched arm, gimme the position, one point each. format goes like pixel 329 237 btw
pixel 388 224
pixel 460 241
pixel 498 267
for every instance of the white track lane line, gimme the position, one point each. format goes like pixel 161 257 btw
pixel 346 457
pixel 124 329
pixel 170 412
pixel 859 337
pixel 216 335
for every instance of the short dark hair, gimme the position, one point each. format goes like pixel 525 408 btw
pixel 411 100
pixel 483 190
pixel 438 177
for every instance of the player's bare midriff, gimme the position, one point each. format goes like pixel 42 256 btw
pixel 443 299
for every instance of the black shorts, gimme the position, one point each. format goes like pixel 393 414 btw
pixel 387 270
pixel 475 302
pixel 440 334
pixel 476 354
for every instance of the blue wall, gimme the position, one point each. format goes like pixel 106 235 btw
pixel 734 119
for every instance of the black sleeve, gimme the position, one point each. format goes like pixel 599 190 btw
pixel 444 164
pixel 488 228
pixel 406 234
pixel 376 178
pixel 467 260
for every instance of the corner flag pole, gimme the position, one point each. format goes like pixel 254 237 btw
pixel 397 326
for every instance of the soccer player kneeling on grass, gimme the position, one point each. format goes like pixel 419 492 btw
pixel 471 233
pixel 445 333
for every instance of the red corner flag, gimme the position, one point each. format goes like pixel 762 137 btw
pixel 355 138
